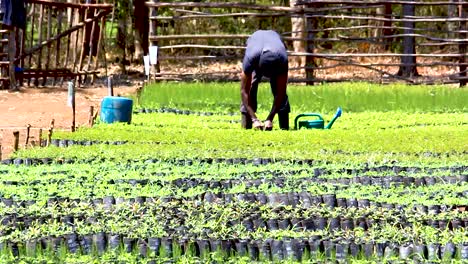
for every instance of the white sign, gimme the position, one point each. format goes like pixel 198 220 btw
pixel 153 53
pixel 146 61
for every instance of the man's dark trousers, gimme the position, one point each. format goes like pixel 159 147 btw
pixel 283 113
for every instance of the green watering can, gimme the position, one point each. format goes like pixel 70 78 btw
pixel 315 123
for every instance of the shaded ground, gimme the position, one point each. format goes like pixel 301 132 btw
pixel 38 106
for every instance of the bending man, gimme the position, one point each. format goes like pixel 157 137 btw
pixel 265 56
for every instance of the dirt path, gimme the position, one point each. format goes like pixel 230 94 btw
pixel 38 106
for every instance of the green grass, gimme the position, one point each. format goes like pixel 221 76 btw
pixel 352 97
pixel 374 137
pixel 386 133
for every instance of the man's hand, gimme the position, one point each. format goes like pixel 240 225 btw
pixel 268 125
pixel 257 124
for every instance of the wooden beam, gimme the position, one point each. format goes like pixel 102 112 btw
pixel 28 131
pixel 61 35
pixel 286 9
pixel 364 2
pixel 11 60
pixel 204 36
pixel 221 5
pixel 16 140
pixel 69 5
pixel 200 46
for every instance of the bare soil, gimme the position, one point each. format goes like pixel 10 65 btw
pixel 38 106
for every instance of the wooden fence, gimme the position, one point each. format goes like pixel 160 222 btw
pixel 61 41
pixel 378 41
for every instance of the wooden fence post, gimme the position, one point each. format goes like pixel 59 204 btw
pixel 138 93
pixel 49 132
pixel 95 116
pixel 28 130
pixel 49 136
pixel 153 31
pixel 90 117
pixel 16 143
pixel 40 137
pixel 462 47
pixel 11 59
pixel 311 25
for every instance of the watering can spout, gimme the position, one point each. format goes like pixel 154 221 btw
pixel 337 114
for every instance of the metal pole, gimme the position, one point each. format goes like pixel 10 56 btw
pixel 110 86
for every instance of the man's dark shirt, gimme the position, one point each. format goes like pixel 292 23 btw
pixel 265 54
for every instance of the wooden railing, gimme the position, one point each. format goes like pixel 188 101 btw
pixel 378 41
pixel 62 41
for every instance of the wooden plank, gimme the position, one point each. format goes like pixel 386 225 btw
pixel 373 55
pixel 83 41
pixel 61 35
pixel 246 14
pixel 39 54
pixel 100 45
pixel 422 3
pixel 204 36
pixel 91 41
pixel 69 37
pixel 21 51
pixel 69 5
pixel 49 34
pixel 75 39
pixel 406 19
pixel 283 8
pixel 157 4
pixel 181 46
pixel 31 37
pixel 11 60
pixel 298 11
pixel 59 41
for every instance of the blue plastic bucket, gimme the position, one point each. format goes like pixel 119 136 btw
pixel 116 109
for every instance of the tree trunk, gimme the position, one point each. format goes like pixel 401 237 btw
pixel 298 25
pixel 141 29
pixel 408 61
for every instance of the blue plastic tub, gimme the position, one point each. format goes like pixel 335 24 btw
pixel 116 109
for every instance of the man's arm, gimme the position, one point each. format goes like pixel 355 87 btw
pixel 281 84
pixel 246 85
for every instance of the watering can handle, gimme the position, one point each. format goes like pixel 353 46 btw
pixel 304 115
